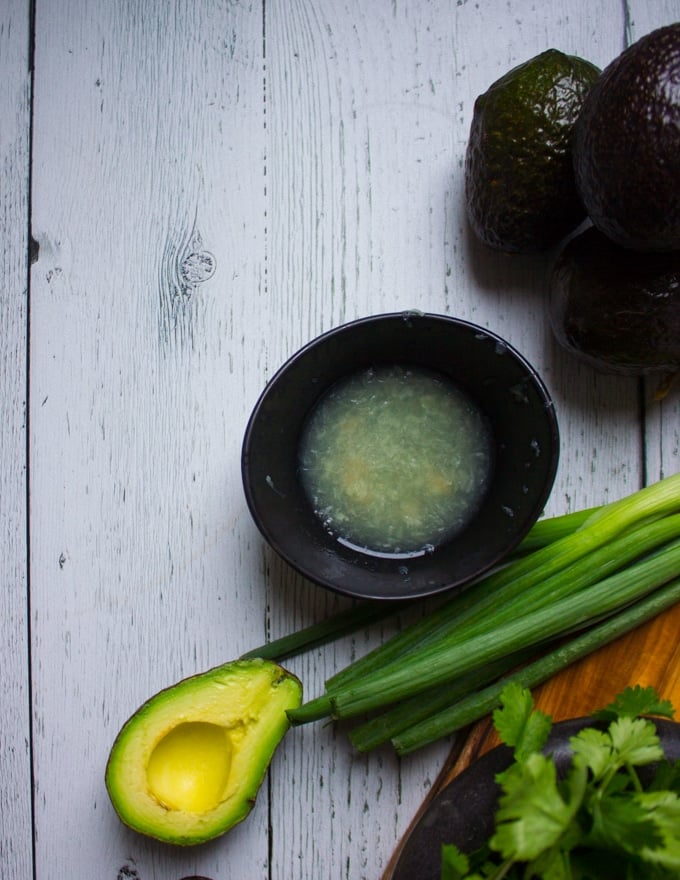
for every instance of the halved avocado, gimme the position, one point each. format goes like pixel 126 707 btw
pixel 187 766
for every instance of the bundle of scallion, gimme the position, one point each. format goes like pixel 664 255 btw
pixel 577 582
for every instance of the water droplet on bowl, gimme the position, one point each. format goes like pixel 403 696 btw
pixel 270 482
pixel 519 393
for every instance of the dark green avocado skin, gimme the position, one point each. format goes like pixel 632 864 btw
pixel 627 145
pixel 519 184
pixel 614 308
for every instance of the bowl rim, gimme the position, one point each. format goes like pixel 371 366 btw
pixel 343 585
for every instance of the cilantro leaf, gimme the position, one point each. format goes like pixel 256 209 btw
pixel 666 776
pixel 622 823
pixel 635 741
pixel 663 807
pixel 592 748
pixel 596 822
pixel 627 742
pixel 455 864
pixel 553 864
pixel 518 723
pixel 532 814
pixel 635 701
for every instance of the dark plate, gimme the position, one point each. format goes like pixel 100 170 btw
pixel 463 812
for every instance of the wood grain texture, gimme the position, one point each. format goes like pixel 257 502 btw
pixel 15 733
pixel 144 567
pixel 213 184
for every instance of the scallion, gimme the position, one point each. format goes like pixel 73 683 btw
pixel 478 703
pixel 576 581
pixel 349 620
pixel 463 656
pixel 491 603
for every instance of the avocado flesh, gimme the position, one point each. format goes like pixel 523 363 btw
pixel 188 764
pixel 616 309
pixel 627 145
pixel 519 182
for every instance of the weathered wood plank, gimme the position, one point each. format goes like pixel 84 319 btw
pixel 148 173
pixel 16 834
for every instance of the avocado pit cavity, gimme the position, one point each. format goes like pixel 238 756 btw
pixel 189 768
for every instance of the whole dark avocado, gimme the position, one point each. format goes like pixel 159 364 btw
pixel 519 184
pixel 627 145
pixel 616 309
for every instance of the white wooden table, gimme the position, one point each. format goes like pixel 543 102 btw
pixel 190 191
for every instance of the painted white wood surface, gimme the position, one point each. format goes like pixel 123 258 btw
pixel 213 184
pixel 15 769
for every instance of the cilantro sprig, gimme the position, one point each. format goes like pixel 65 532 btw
pixel 596 822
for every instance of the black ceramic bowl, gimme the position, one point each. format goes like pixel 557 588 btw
pixel 486 368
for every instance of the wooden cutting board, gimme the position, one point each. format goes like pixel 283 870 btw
pixel 650 655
